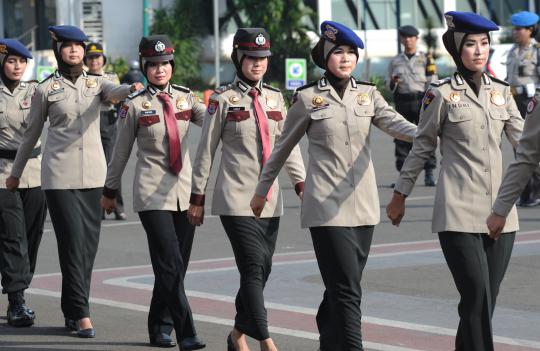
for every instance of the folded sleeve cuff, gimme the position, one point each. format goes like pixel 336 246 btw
pixel 110 193
pixel 196 199
pixel 502 209
pixel 299 188
pixel 403 187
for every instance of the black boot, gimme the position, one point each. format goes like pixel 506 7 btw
pixel 18 314
pixel 429 179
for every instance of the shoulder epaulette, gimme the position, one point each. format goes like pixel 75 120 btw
pixel 31 81
pixel 181 88
pixel 46 79
pixel 222 89
pixel 268 86
pixel 93 74
pixel 364 82
pixel 441 82
pixel 135 94
pixel 499 81
pixel 310 84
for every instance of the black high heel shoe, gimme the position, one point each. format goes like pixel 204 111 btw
pixel 230 344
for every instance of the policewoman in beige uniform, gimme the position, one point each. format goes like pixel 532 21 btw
pixel 73 166
pixel 341 204
pixel 468 112
pixel 22 212
pixel 247 116
pixel 158 118
pixel 518 173
pixel 96 60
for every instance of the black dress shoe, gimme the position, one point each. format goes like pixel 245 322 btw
pixel 230 344
pixel 18 316
pixel 29 310
pixel 162 340
pixel 70 324
pixel 193 343
pixel 86 333
pixel 120 216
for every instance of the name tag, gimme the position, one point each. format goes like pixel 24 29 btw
pixel 321 107
pixel 457 106
pixel 237 108
pixel 147 113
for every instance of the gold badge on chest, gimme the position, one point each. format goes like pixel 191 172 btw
pixel 363 99
pixel 181 103
pixel 271 102
pixel 317 101
pixel 55 85
pixel 146 105
pixel 91 83
pixel 455 96
pixel 497 98
pixel 234 99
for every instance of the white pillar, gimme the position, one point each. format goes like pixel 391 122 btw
pixel 324 10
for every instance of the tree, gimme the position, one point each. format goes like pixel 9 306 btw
pixel 287 22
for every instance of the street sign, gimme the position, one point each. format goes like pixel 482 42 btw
pixel 43 72
pixel 295 73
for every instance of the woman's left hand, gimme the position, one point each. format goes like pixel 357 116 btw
pixel 136 86
pixel 257 205
pixel 396 209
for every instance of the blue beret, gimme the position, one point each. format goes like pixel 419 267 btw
pixel 339 34
pixel 524 19
pixel 14 47
pixel 468 22
pixel 67 33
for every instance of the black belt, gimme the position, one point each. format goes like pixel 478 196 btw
pixel 409 96
pixel 10 154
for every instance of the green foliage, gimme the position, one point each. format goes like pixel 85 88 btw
pixel 379 83
pixel 118 66
pixel 184 24
pixel 285 21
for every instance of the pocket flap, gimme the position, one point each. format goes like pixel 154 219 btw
pixel 275 115
pixel 183 115
pixel 237 115
pixel 321 114
pixel 501 115
pixel 461 115
pixel 364 110
pixel 148 120
pixel 56 95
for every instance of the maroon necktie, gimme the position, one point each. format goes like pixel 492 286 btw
pixel 175 153
pixel 263 130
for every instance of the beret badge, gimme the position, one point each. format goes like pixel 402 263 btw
pixel 330 32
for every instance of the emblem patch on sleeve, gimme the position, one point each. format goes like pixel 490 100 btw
pixel 532 105
pixel 212 106
pixel 428 98
pixel 123 111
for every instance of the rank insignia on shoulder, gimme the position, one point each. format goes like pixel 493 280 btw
pixel 497 99
pixel 136 93
pixel 222 89
pixel 441 82
pixel 363 99
pixel 212 106
pixel 428 98
pixel 455 96
pixel 532 105
pixel 123 111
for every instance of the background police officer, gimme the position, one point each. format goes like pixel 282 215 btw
pixel 523 74
pixel 22 213
pixel 95 60
pixel 409 74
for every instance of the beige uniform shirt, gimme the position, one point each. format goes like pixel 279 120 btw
pixel 470 130
pixel 340 188
pixel 141 117
pixel 527 158
pixel 231 119
pixel 14 108
pixel 112 77
pixel 73 157
pixel 412 74
pixel 522 67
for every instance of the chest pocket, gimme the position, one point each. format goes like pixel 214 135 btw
pixel 182 121
pixel 149 125
pixel 240 122
pixel 274 117
pixel 57 108
pixel 460 123
pixel 363 117
pixel 499 116
pixel 321 122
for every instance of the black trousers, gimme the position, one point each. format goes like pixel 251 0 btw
pixel 478 264
pixel 253 241
pixel 76 218
pixel 22 215
pixel 342 253
pixel 170 237
pixel 107 128
pixel 409 107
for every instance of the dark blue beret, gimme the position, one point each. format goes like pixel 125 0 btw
pixel 408 31
pixel 524 19
pixel 14 47
pixel 468 22
pixel 339 34
pixel 67 33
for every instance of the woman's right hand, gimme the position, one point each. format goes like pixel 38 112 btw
pixel 195 214
pixel 396 208
pixel 12 183
pixel 108 204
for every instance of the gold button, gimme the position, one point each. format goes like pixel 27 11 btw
pixel 346 143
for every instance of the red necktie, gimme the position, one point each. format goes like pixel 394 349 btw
pixel 263 130
pixel 175 152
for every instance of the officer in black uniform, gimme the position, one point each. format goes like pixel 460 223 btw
pixel 22 212
pixel 134 74
pixel 95 60
pixel 409 74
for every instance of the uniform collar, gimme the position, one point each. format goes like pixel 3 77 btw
pixel 153 90
pixel 324 84
pixel 459 83
pixel 245 87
